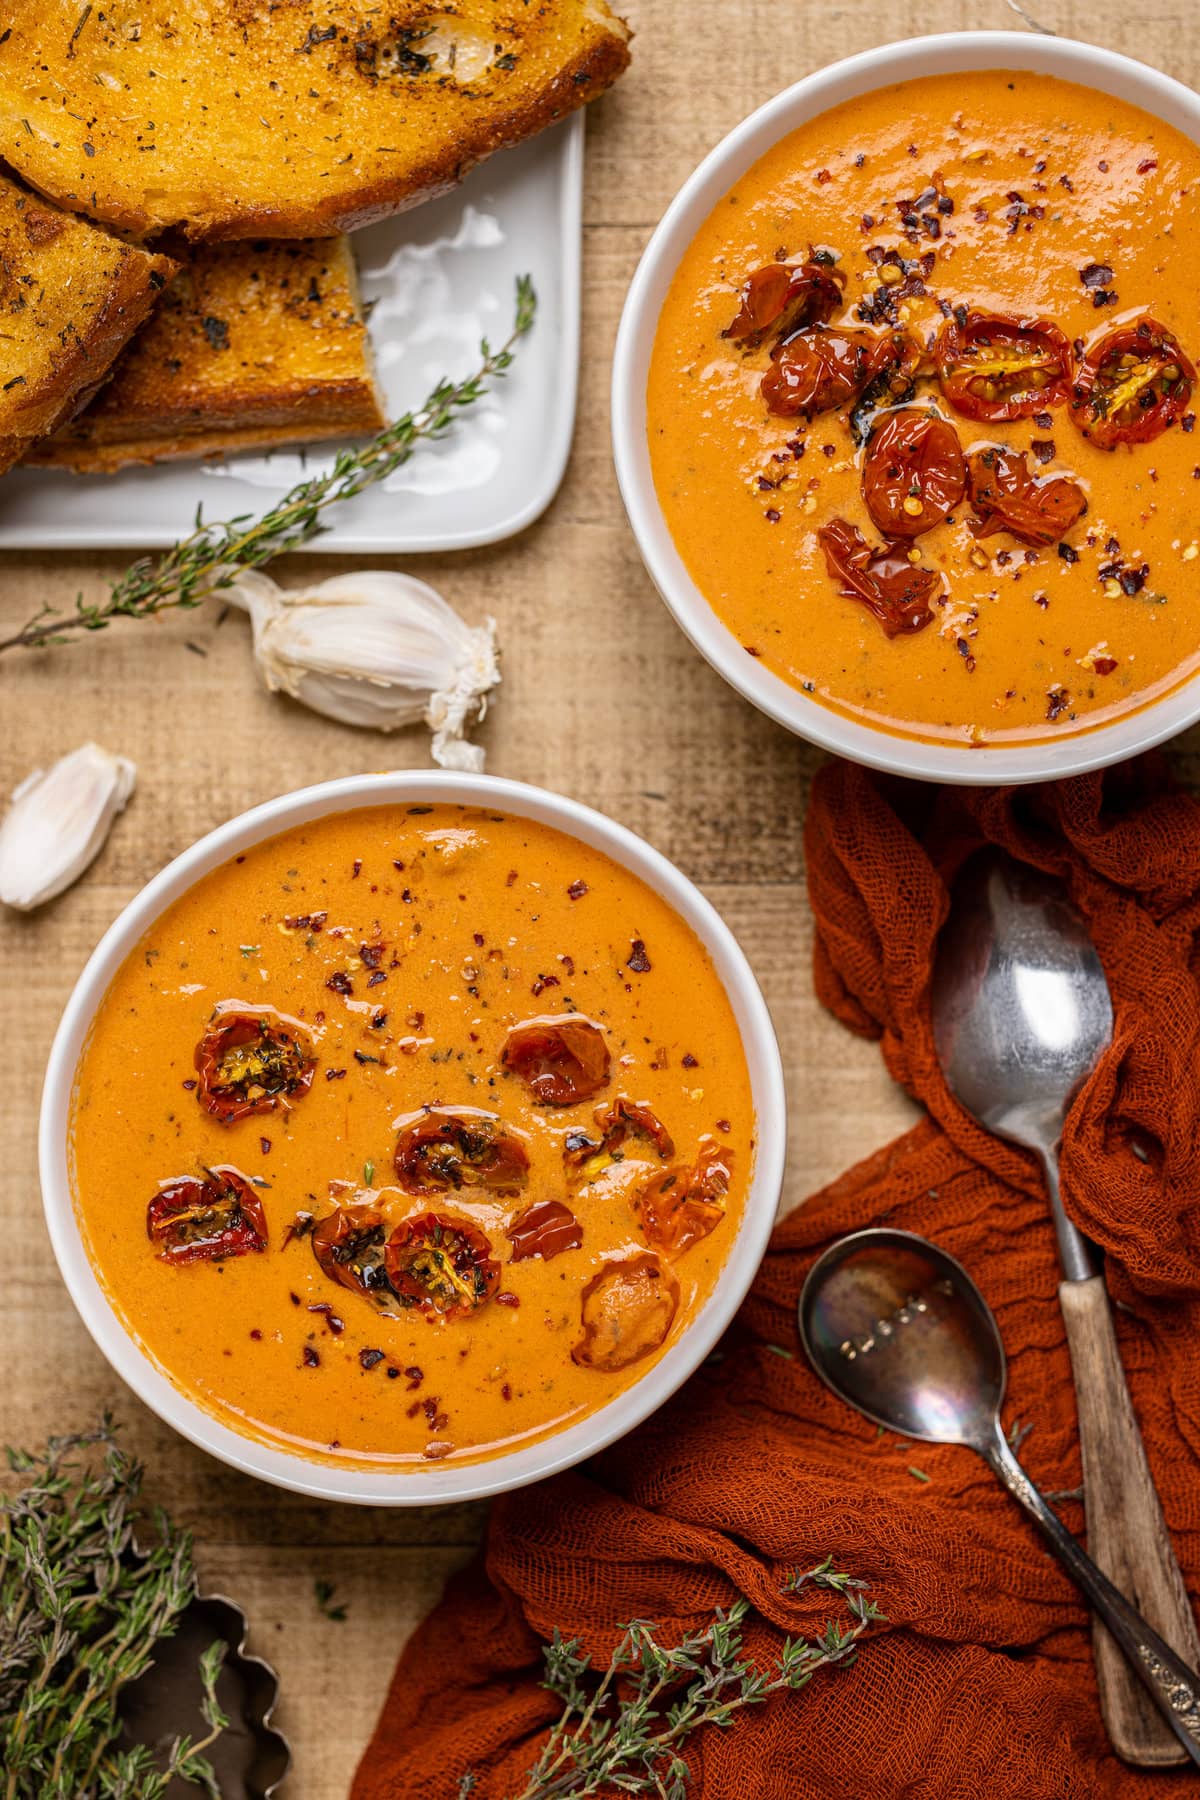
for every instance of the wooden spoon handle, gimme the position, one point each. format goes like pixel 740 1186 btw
pixel 1126 1532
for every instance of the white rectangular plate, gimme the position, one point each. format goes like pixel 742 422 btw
pixel 440 278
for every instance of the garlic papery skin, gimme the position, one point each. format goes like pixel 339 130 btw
pixel 57 823
pixel 376 649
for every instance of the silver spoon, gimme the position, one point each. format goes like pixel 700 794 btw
pixel 900 1331
pixel 1021 1014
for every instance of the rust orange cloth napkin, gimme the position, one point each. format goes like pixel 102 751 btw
pixel 981 1683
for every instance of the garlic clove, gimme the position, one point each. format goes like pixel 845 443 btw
pixel 376 649
pixel 57 823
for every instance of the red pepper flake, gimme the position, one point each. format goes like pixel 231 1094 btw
pixel 306 921
pixel 356 871
pixel 369 1358
pixel 543 982
pixel 190 1086
pixel 311 1359
pixel 823 176
pixel 751 650
pixel 415 1375
pixel 637 960
pixel 372 954
pixel 724 1125
pixel 505 1391
pixel 510 878
pixel 507 1299
pixel 335 1074
pixel 773 515
pixel 264 1145
pixel 340 982
pixel 336 1325
pixel 256 1334
pixel 689 1061
pixel 1043 449
pixel 577 890
pixel 1058 701
pixel 1147 163
pixel 1104 665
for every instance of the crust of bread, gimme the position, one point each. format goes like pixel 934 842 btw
pixel 287 119
pixel 71 297
pixel 254 345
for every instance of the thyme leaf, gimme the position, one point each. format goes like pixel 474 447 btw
pixel 83 1609
pixel 625 1728
pixel 213 555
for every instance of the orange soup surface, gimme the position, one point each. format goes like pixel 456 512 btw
pixel 922 405
pixel 412 1134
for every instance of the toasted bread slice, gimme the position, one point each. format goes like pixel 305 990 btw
pixel 283 118
pixel 71 297
pixel 256 344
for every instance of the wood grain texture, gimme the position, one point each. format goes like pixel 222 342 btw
pixel 1127 1534
pixel 602 699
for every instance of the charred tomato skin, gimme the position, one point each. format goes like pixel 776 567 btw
pixel 206 1218
pixel 562 1059
pixel 441 1264
pixel 455 1147
pixel 783 297
pixel 251 1060
pixel 615 1124
pixel 1116 401
pixel 545 1230
pixel 913 473
pixel 349 1244
pixel 626 1310
pixel 825 367
pixel 999 366
pixel 899 595
pixel 678 1207
pixel 1008 496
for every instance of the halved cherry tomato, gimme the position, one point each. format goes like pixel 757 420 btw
pixel 251 1060
pixel 348 1244
pixel 457 1147
pixel 829 366
pixel 1038 509
pixel 561 1060
pixel 998 366
pixel 442 1265
pixel 206 1220
pixel 1132 385
pixel 679 1207
pixel 914 474
pixel 899 593
pixel 785 297
pixel 626 1309
pixel 585 1157
pixel 544 1230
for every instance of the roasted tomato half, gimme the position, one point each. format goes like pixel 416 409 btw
pixel 830 366
pixel 544 1230
pixel 783 297
pixel 626 1309
pixel 899 593
pixel 561 1060
pixel 348 1244
pixel 457 1147
pixel 194 1219
pixel 998 366
pixel 585 1157
pixel 1132 384
pixel 250 1060
pixel 442 1265
pixel 679 1207
pixel 1008 496
pixel 913 473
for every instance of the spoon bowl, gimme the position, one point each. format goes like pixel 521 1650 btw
pixel 899 1330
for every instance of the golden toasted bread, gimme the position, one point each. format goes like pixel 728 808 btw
pixel 256 344
pixel 283 118
pixel 71 297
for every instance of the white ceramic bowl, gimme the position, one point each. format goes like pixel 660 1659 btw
pixel 443 1481
pixel 1082 63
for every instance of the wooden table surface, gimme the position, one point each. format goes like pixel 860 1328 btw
pixel 602 699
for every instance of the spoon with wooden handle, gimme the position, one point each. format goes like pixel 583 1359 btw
pixel 1021 1013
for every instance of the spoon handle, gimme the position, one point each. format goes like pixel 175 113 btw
pixel 1174 1688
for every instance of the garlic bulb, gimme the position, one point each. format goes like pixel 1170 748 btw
pixel 57 823
pixel 375 649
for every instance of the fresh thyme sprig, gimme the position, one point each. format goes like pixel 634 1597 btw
pixel 626 1730
pixel 213 555
pixel 82 1610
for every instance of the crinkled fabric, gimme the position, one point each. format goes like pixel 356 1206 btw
pixel 981 1681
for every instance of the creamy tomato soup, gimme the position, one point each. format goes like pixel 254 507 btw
pixel 412 1133
pixel 921 408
